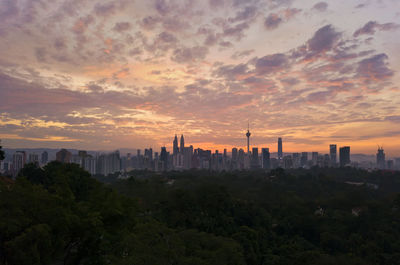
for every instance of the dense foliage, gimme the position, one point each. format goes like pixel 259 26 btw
pixel 61 215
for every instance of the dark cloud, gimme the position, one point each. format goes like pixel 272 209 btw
pixel 216 3
pixel 167 37
pixel 8 9
pixel 272 21
pixel 162 7
pixel 374 68
pixel 271 63
pixel 104 9
pixel 242 54
pixel 370 28
pixel 236 31
pixel 321 6
pixel 323 40
pixel 290 81
pixel 189 55
pixel 122 26
pixel 174 23
pixel 248 12
pixel 60 44
pixel 225 44
pixel 41 54
pixel 231 72
pixel 149 22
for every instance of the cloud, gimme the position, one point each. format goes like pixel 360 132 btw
pixel 8 9
pixel 189 55
pixel 289 13
pixel 321 6
pixel 122 26
pixel 370 28
pixel 162 7
pixel 248 12
pixel 374 68
pixel 231 72
pixel 272 21
pixel 271 63
pixel 323 40
pixel 236 31
pixel 41 54
pixel 104 9
pixel 149 22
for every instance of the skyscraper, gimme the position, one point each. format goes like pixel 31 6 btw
pixel 45 158
pixel 265 160
pixel 63 156
pixel 280 152
pixel 344 156
pixel 333 154
pixel 19 160
pixel 254 158
pixel 248 138
pixel 182 144
pixel 175 144
pixel 380 158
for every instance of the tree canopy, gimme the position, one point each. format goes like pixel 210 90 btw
pixel 60 214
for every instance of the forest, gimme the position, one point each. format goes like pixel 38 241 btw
pixel 60 214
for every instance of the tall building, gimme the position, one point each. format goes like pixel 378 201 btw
pixel 175 146
pixel 314 158
pixel 380 158
pixel 333 154
pixel 33 158
pixel 248 134
pixel 254 158
pixel 265 159
pixel 164 157
pixel 63 156
pixel 344 156
pixel 280 151
pixel 234 154
pixel 304 159
pixel 182 144
pixel 19 160
pixel 45 158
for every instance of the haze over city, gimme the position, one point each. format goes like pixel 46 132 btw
pixel 103 75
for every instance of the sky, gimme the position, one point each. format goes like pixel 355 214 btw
pixel 103 75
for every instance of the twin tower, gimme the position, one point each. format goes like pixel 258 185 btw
pixel 177 149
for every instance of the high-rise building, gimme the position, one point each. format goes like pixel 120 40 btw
pixel 175 146
pixel 33 158
pixel 304 159
pixel 19 160
pixel 390 164
pixel 314 158
pixel 182 144
pixel 333 154
pixel 280 150
pixel 265 160
pixel 234 154
pixel 380 158
pixel 254 158
pixel 164 158
pixel 45 158
pixel 344 156
pixel 63 156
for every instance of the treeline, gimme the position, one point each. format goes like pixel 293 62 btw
pixel 61 215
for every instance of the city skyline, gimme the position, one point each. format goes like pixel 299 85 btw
pixel 105 75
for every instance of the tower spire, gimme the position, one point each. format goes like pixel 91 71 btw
pixel 248 137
